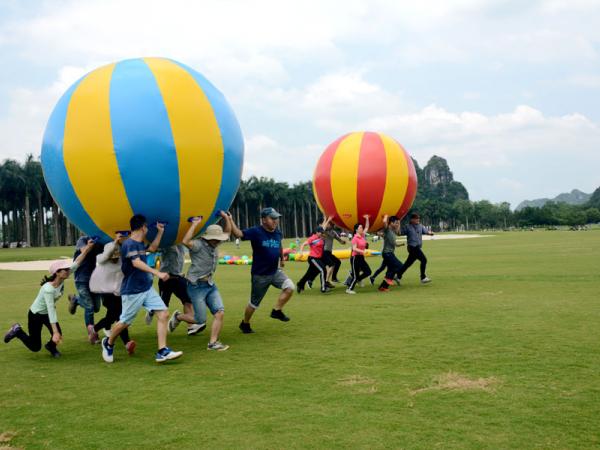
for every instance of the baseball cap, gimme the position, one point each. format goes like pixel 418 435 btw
pixel 270 212
pixel 61 264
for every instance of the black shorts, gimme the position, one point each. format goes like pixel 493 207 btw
pixel 177 285
pixel 329 259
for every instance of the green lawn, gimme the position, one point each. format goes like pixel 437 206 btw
pixel 500 351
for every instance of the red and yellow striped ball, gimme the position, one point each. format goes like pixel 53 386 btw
pixel 364 173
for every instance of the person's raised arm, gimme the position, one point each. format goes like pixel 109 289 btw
pixel 227 226
pixel 234 229
pixel 107 252
pixel 385 221
pixel 189 235
pixel 366 216
pixel 156 242
pixel 84 251
pixel 326 222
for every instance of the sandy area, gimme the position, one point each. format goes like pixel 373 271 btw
pixel 44 265
pixel 439 237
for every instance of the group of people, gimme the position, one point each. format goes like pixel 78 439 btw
pixel 322 261
pixel 117 275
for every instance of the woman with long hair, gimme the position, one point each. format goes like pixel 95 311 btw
pixel 359 267
pixel 43 310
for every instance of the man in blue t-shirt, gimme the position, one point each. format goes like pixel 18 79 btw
pixel 137 291
pixel 267 261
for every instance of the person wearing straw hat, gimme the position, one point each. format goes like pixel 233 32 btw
pixel 201 288
pixel 43 309
pixel 267 262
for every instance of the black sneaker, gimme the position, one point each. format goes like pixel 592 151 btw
pixel 299 289
pixel 245 327
pixel 72 304
pixel 372 280
pixel 329 285
pixel 278 314
pixel 12 333
pixel 53 351
pixel 309 284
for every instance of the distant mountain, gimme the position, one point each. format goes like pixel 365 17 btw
pixel 575 197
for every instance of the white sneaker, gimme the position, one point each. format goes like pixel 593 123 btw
pixel 148 318
pixel 196 328
pixel 107 351
pixel 174 322
pixel 425 280
pixel 218 346
pixel 350 291
pixel 107 333
pixel 167 354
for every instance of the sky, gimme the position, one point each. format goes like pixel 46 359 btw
pixel 508 92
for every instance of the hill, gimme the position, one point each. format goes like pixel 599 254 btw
pixel 575 197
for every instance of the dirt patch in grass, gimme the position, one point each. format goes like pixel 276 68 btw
pixel 5 439
pixel 361 384
pixel 453 381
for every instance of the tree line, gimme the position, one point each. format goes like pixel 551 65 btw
pixel 29 215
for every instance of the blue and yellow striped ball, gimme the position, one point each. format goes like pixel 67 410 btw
pixel 147 136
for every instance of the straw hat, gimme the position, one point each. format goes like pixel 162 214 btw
pixel 214 232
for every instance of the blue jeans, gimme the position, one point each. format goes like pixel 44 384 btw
pixel 204 295
pixel 89 301
pixel 393 264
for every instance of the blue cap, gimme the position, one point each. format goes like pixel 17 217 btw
pixel 270 212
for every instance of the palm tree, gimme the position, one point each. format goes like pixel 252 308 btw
pixel 12 191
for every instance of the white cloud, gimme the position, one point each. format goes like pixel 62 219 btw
pixel 265 157
pixel 585 80
pixel 299 74
pixel 23 126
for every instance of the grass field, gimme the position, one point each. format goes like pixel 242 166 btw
pixel 500 351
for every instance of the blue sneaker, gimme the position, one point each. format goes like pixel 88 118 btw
pixel 166 354
pixel 107 351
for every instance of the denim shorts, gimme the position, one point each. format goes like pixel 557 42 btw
pixel 205 295
pixel 134 302
pixel 261 284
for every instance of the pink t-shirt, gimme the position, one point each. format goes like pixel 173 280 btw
pixel 360 242
pixel 316 244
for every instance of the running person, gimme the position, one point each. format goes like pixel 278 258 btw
pixel 414 241
pixel 106 280
pixel 316 265
pixel 85 298
pixel 331 261
pixel 390 232
pixel 267 262
pixel 201 287
pixel 172 261
pixel 43 309
pixel 137 291
pixel 359 267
